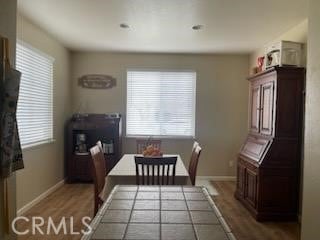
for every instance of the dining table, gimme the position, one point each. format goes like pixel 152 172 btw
pixel 124 173
pixel 159 213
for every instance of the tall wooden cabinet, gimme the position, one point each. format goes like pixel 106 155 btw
pixel 81 134
pixel 268 167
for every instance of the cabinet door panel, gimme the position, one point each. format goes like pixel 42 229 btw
pixel 267 99
pixel 251 187
pixel 83 168
pixel 240 178
pixel 255 108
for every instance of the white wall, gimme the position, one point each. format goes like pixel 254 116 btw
pixel 8 12
pixel 44 164
pixel 221 110
pixel 311 189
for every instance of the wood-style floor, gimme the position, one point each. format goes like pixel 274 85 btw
pixel 245 227
pixel 76 201
pixel 71 200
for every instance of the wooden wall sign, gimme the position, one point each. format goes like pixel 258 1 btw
pixel 97 81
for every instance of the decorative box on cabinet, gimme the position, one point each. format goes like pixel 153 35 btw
pixel 103 127
pixel 268 168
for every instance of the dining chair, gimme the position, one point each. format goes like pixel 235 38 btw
pixel 193 165
pixel 142 144
pixel 100 145
pixel 155 170
pixel 195 144
pixel 99 175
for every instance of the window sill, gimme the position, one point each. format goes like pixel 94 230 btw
pixel 161 137
pixel 37 144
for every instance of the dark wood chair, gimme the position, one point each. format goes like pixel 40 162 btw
pixel 99 175
pixel 195 144
pixel 143 143
pixel 193 165
pixel 100 145
pixel 155 170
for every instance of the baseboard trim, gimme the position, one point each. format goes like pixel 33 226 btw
pixel 299 218
pixel 42 196
pixel 217 178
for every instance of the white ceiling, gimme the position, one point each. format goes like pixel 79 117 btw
pixel 230 26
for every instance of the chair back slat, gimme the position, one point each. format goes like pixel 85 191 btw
pixel 173 173
pixel 137 177
pixel 168 171
pixel 163 174
pixel 152 174
pixel 193 165
pixel 148 177
pixel 142 166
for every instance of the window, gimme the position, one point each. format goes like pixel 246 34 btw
pixel 161 103
pixel 34 110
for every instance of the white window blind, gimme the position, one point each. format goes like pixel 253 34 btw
pixel 34 110
pixel 161 103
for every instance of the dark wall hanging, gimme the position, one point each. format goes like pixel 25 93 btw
pixel 97 81
pixel 10 148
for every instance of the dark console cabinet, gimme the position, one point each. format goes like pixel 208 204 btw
pixel 90 129
pixel 268 168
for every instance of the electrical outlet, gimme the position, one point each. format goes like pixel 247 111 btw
pixel 231 163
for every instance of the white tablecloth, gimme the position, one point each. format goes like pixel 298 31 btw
pixel 124 173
